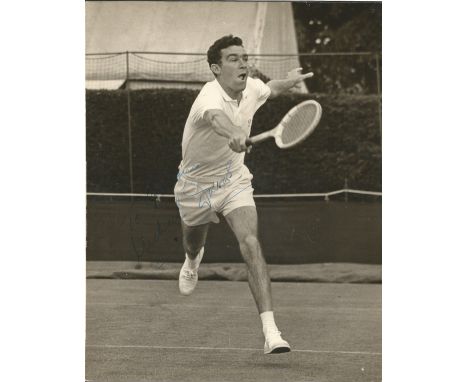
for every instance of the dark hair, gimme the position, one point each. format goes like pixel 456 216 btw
pixel 214 52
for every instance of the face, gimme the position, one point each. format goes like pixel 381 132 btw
pixel 233 70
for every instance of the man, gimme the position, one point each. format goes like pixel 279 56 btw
pixel 213 178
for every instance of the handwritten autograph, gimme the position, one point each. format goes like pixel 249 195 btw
pixel 204 195
pixel 187 170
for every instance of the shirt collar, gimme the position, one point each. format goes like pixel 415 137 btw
pixel 226 97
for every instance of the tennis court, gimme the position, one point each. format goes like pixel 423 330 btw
pixel 144 330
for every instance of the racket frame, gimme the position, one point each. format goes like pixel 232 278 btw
pixel 277 131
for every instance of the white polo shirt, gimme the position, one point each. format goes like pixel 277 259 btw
pixel 206 156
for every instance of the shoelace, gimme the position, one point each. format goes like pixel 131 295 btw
pixel 276 335
pixel 189 275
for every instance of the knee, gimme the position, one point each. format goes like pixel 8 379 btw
pixel 250 242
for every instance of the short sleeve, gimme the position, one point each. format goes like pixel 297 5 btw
pixel 206 100
pixel 262 90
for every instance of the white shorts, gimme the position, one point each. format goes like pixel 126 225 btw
pixel 200 202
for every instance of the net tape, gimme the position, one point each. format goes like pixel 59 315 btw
pixel 325 195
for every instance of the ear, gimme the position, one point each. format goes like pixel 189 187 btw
pixel 215 68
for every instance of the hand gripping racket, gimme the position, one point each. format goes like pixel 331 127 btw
pixel 295 126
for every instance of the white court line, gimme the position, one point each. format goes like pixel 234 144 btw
pixel 219 348
pixel 288 308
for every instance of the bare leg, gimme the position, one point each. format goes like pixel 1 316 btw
pixel 243 222
pixel 194 238
pixel 193 241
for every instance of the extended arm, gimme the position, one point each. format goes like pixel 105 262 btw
pixel 223 126
pixel 294 78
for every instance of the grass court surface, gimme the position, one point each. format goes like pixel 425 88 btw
pixel 144 330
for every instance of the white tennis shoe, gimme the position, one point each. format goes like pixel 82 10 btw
pixel 274 344
pixel 188 277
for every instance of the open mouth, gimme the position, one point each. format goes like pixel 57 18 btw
pixel 242 76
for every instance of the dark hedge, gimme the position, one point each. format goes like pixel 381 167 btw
pixel 345 145
pixel 107 142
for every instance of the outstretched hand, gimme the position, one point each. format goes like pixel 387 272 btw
pixel 297 76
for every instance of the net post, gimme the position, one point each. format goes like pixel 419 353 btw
pixel 129 123
pixel 127 67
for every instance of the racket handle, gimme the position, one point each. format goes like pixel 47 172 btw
pixel 259 138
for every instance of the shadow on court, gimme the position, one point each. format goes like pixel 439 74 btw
pixel 143 330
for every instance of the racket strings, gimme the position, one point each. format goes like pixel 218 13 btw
pixel 298 124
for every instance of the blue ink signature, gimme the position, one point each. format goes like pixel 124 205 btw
pixel 187 170
pixel 205 194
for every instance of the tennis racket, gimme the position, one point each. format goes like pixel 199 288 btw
pixel 295 126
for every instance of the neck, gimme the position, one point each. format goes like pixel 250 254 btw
pixel 237 95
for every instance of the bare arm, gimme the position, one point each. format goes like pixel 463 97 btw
pixel 294 78
pixel 223 126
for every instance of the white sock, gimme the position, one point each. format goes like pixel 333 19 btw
pixel 195 263
pixel 268 322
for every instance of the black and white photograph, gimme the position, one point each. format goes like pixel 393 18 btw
pixel 233 174
pixel 194 191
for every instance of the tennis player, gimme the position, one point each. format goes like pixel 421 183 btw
pixel 212 176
